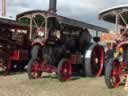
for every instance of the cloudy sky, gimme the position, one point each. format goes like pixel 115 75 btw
pixel 84 10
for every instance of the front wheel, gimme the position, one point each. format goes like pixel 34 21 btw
pixel 34 64
pixel 112 73
pixel 34 69
pixel 64 70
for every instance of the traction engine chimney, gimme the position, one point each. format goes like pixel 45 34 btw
pixel 3 7
pixel 52 6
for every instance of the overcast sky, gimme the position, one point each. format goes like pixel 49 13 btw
pixel 84 10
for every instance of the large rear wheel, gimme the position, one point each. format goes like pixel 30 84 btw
pixel 112 73
pixel 94 61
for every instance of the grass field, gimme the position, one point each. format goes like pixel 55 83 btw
pixel 20 85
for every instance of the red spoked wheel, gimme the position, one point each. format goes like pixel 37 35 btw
pixel 64 70
pixel 35 69
pixel 112 74
pixel 97 61
pixel 115 76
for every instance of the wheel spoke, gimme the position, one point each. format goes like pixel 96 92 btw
pixel 115 81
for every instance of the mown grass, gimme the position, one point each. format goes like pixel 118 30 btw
pixel 20 85
pixel 77 87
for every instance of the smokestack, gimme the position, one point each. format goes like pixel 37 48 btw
pixel 52 6
pixel 3 7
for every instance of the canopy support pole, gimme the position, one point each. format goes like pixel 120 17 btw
pixel 30 34
pixel 96 33
pixel 116 27
pixel 46 31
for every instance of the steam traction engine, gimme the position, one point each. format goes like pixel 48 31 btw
pixel 117 43
pixel 14 46
pixel 61 45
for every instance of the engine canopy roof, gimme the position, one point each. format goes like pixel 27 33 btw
pixel 109 14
